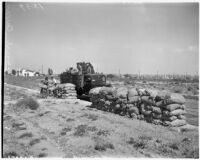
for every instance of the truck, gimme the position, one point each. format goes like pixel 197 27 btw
pixel 84 78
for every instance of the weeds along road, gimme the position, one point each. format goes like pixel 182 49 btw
pixel 70 128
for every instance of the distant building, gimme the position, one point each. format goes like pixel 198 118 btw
pixel 27 73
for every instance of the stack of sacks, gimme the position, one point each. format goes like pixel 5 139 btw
pixel 109 96
pixel 133 103
pixel 94 96
pixel 156 112
pixel 68 91
pixel 144 104
pixel 120 102
pixel 173 109
pixel 102 98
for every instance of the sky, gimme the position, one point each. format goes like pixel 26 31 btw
pixel 129 38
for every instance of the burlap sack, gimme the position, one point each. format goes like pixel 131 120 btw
pixel 175 98
pixel 111 98
pixel 169 118
pixel 177 112
pixel 69 95
pixel 132 92
pixel 42 86
pixel 134 99
pixel 156 116
pixel 140 117
pixel 107 91
pixel 173 107
pixel 156 121
pixel 175 123
pixel 142 92
pixel 133 110
pixel 162 95
pixel 122 92
pixel 174 113
pixel 133 115
pixel 69 88
pixel 95 91
pixel 181 117
pixel 152 93
pixel 156 110
pixel 160 103
pixel 146 113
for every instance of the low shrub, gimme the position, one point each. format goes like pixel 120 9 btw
pixel 10 155
pixel 174 146
pixel 139 143
pixel 103 132
pixel 131 141
pixel 178 90
pixel 103 146
pixel 34 141
pixel 195 92
pixel 26 135
pixel 80 130
pixel 70 119
pixel 193 153
pixel 92 117
pixel 28 102
pixel 144 137
pixel 65 130
pixel 42 155
pixel 92 128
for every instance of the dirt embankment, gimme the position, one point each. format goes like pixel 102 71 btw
pixel 64 128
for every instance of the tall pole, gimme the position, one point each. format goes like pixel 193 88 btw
pixel 42 69
pixel 139 75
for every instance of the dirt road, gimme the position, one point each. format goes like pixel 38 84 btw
pixel 70 128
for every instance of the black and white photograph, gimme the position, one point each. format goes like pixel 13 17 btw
pixel 96 80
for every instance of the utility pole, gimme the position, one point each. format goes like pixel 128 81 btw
pixel 139 74
pixel 42 69
pixel 157 75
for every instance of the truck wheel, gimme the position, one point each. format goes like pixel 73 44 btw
pixel 80 92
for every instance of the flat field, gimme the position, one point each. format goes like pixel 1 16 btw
pixel 70 128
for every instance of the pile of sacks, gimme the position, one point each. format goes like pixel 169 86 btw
pixel 157 107
pixel 68 91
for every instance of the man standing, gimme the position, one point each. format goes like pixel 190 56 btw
pixel 52 85
pixel 79 67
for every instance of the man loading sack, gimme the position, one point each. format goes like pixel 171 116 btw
pixel 52 85
pixel 48 86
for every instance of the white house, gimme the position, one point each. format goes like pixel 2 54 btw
pixel 27 73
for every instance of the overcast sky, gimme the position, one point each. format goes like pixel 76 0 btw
pixel 127 37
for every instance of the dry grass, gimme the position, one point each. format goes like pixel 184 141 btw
pixel 111 132
pixel 27 82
